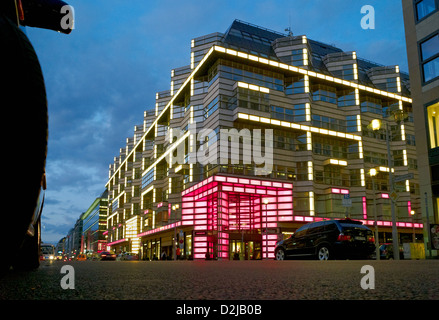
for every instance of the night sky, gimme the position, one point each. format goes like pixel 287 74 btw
pixel 101 77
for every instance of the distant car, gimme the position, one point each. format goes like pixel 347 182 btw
pixel 129 256
pixel 105 255
pixel 81 257
pixel 328 239
pixel 386 251
pixel 47 252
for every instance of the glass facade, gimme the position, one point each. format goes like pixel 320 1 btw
pixel 94 226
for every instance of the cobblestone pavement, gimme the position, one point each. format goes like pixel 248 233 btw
pixel 227 280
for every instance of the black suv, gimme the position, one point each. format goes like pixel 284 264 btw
pixel 327 240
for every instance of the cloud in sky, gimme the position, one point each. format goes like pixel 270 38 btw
pixel 101 78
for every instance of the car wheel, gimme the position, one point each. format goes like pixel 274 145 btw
pixel 280 254
pixel 323 253
pixel 28 257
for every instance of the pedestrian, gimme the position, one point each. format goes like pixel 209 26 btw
pixel 163 257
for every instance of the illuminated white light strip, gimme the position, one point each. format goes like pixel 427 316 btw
pixel 310 171
pixel 315 74
pixel 169 185
pixel 253 87
pixel 305 57
pixel 308 140
pixel 306 83
pixel 385 169
pixel 292 125
pixel 336 162
pixel 171 148
pixel 146 191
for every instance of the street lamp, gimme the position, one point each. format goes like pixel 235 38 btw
pixel 376 124
pixel 412 214
pixel 174 248
pixel 266 201
pixel 373 172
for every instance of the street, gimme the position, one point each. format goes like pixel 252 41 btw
pixel 226 280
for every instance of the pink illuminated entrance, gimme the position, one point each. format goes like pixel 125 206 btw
pixel 227 212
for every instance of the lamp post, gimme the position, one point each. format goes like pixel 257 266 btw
pixel 174 243
pixel 373 173
pixel 376 125
pixel 266 201
pixel 428 225
pixel 412 214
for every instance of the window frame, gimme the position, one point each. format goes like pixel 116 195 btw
pixel 415 10
pixel 429 59
pixel 427 124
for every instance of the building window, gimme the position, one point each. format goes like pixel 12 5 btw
pixel 324 93
pixel 297 114
pixel 297 57
pixel 424 8
pixel 433 124
pixel 330 123
pixel 371 104
pixel 346 98
pixel 294 85
pixel 429 50
pixel 148 178
pixel 351 124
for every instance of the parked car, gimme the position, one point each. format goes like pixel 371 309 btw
pixel 23 92
pixel 344 238
pixel 81 257
pixel 105 255
pixel 129 256
pixel 386 251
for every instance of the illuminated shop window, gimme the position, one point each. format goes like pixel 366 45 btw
pixel 433 124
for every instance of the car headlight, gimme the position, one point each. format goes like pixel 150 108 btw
pixel 51 257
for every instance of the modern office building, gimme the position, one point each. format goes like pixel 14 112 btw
pixel 60 247
pixel 73 239
pixel 94 226
pixel 421 20
pixel 261 133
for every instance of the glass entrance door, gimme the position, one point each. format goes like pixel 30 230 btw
pixel 245 250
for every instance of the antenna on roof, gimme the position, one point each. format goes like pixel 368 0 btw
pixel 290 33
